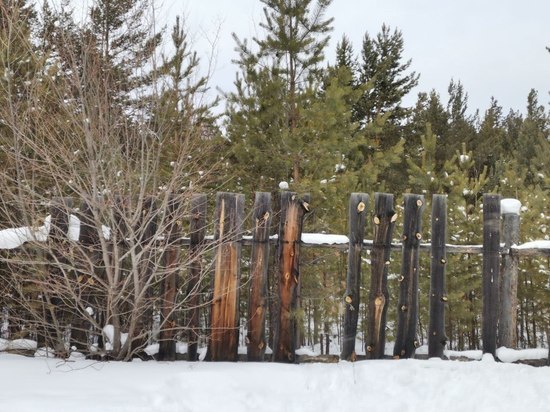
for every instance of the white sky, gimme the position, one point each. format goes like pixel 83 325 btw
pixel 494 47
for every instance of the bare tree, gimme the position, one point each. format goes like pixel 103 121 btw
pixel 93 185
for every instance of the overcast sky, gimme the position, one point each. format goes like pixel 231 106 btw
pixel 494 47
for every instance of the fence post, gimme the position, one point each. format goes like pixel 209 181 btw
pixel 146 227
pixel 197 232
pixel 224 339
pixel 438 298
pixel 507 335
pixel 384 222
pixel 491 271
pixel 406 341
pixel 293 211
pixel 93 273
pixel 358 204
pixel 257 298
pixel 169 283
pixel 58 313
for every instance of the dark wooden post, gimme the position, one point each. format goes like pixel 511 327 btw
pixel 58 313
pixel 119 247
pixel 257 298
pixel 224 340
pixel 86 278
pixel 197 229
pixel 384 222
pixel 293 211
pixel 407 309
pixel 507 334
pixel 438 298
pixel 145 227
pixel 93 272
pixel 491 271
pixel 169 282
pixel 358 204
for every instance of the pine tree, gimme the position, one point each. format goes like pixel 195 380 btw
pixel 345 58
pixel 428 109
pixel 20 63
pixel 534 142
pixel 382 66
pixel 268 112
pixel 461 125
pixel 124 47
pixel 181 120
pixel 382 80
pixel 490 140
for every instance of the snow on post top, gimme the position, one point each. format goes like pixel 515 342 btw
pixel 510 206
pixel 283 185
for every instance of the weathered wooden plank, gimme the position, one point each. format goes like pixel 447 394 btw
pixel 358 205
pixel 257 298
pixel 224 338
pixel 58 314
pixel 406 341
pixel 491 271
pixel 384 222
pixel 293 210
pixel 92 272
pixel 438 298
pixel 145 227
pixel 197 229
pixel 507 334
pixel 169 283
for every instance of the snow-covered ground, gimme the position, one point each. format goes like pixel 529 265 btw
pixel 46 384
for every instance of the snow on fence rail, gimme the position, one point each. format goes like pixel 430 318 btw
pixel 499 248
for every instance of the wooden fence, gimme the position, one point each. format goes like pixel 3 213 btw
pixel 500 265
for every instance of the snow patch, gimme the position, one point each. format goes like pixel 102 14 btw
pixel 283 185
pixel 513 355
pixel 324 239
pixel 536 244
pixel 510 206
